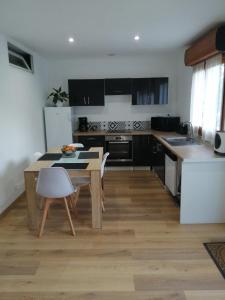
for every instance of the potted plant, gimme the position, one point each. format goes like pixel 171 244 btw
pixel 58 96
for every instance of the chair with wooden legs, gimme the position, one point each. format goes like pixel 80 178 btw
pixel 85 181
pixel 54 185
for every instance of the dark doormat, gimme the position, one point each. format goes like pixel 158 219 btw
pixel 217 252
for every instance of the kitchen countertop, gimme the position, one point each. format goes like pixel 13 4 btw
pixel 188 153
pixel 105 132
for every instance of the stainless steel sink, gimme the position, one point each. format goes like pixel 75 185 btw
pixel 181 141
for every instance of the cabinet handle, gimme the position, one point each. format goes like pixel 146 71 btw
pixel 118 142
pixel 84 101
pixel 88 100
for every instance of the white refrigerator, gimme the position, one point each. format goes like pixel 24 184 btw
pixel 58 126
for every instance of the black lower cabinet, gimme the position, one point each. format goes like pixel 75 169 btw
pixel 92 141
pixel 142 150
pixel 158 158
pixel 146 149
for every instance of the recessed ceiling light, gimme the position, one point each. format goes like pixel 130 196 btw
pixel 136 37
pixel 71 40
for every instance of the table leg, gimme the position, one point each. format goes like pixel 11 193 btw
pixel 96 199
pixel 32 200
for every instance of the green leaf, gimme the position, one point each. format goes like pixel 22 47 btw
pixel 55 99
pixel 58 95
pixel 50 95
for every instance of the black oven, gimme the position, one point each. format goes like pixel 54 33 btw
pixel 120 148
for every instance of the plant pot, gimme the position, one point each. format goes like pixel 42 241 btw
pixel 59 104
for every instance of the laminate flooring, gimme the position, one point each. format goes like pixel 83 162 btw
pixel 141 253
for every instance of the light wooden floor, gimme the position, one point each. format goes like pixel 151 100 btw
pixel 142 253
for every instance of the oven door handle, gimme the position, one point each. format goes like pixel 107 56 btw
pixel 118 142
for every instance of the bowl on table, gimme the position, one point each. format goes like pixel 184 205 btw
pixel 68 150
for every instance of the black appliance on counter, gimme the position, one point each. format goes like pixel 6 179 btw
pixel 165 123
pixel 83 124
pixel 183 129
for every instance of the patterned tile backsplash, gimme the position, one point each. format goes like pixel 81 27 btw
pixel 119 125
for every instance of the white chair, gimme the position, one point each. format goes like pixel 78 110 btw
pixel 77 145
pixel 37 155
pixel 84 181
pixel 105 156
pixel 53 185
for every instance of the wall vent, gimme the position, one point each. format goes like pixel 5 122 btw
pixel 20 58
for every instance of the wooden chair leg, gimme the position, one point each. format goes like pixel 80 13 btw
pixel 76 197
pixel 69 217
pixel 70 203
pixel 45 213
pixel 73 205
pixel 103 199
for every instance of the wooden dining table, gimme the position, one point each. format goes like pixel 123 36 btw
pixel 93 171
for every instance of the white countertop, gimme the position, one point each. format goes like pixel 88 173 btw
pixel 191 153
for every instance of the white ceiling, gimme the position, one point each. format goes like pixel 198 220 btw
pixel 101 27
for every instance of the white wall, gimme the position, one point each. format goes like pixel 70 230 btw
pixel 118 107
pixel 21 131
pixel 184 78
pixel 23 96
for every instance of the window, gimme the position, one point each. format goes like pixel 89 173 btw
pixel 207 97
pixel 19 58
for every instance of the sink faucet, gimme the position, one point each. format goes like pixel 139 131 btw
pixel 190 129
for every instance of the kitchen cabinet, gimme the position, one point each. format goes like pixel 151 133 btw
pixel 92 140
pixel 86 92
pixel 142 150
pixel 147 91
pixel 118 86
pixel 158 158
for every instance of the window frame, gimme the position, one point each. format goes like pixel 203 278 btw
pixel 25 57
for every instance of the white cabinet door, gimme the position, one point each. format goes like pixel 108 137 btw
pixel 171 175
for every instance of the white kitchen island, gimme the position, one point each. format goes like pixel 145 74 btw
pixel 202 183
pixel 202 192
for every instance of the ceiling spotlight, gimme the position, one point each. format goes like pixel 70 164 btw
pixel 71 40
pixel 137 38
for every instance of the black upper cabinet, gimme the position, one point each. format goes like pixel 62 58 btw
pixel 118 86
pixel 91 92
pixel 86 92
pixel 147 91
